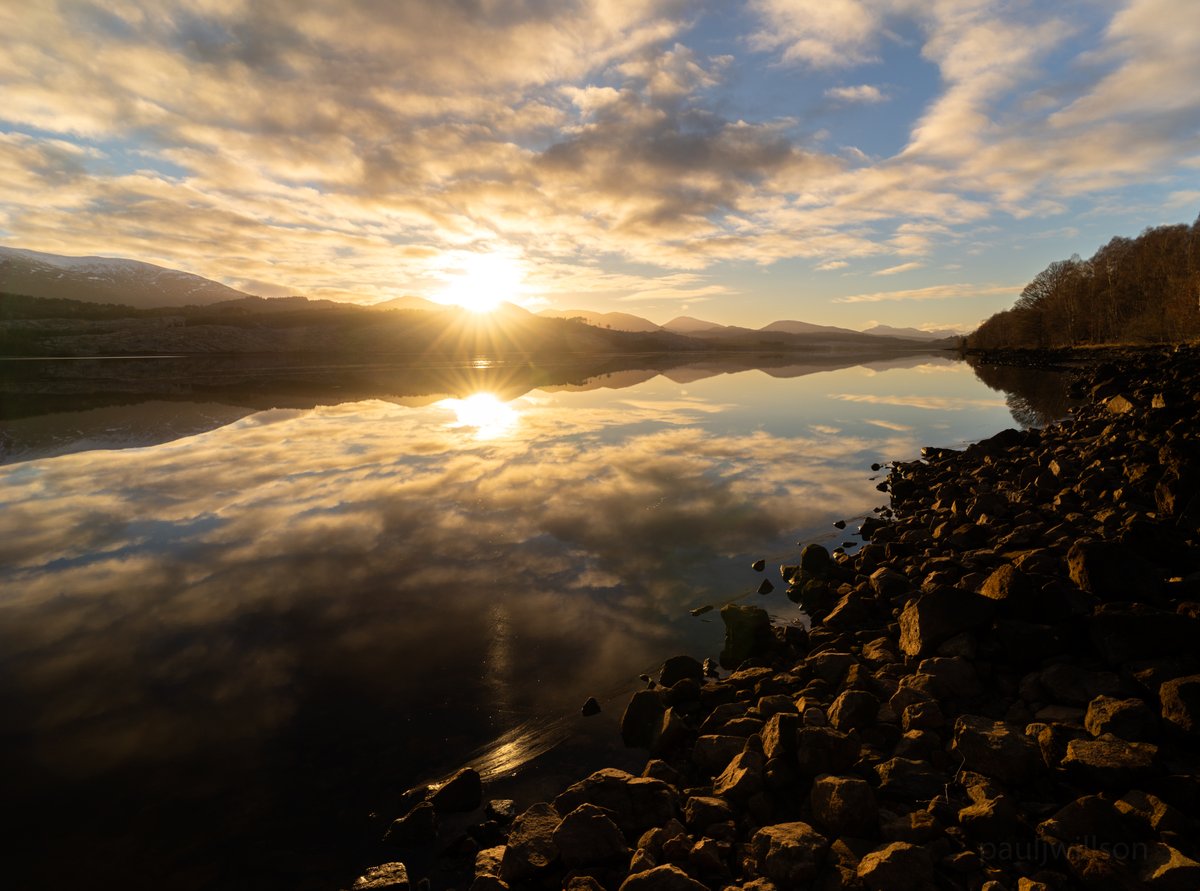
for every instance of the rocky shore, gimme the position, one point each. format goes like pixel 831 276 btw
pixel 999 690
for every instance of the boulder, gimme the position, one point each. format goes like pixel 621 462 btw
pixel 384 877
pixel 1109 762
pixel 814 559
pixel 907 779
pixel 779 734
pixel 530 850
pixel 1166 869
pixel 825 750
pixel 1100 870
pixel 636 803
pixel 898 866
pixel 667 877
pixel 642 719
pixel 713 752
pixel 702 811
pixel 1181 704
pixel 417 828
pixel 938 615
pixel 1128 632
pixel 853 710
pixel 742 777
pixel 996 749
pixel 789 854
pixel 747 634
pixel 677 668
pixel 844 805
pixel 588 836
pixel 461 793
pixel 1088 819
pixel 1129 719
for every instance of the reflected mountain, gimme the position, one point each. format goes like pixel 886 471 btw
pixel 55 407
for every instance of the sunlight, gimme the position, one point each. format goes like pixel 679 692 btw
pixel 481 282
pixel 487 414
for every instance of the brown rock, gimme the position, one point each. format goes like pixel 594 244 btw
pixel 742 778
pixel 667 877
pixel 637 803
pixel 587 836
pixel 385 877
pixel 1181 704
pixel 1129 719
pixel 996 749
pixel 844 805
pixel 530 850
pixel 789 854
pixel 1109 762
pixel 898 866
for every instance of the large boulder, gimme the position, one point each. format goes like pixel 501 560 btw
pixel 530 850
pixel 898 866
pixel 587 836
pixel 844 805
pixel 747 634
pixel 667 877
pixel 938 615
pixel 996 749
pixel 677 668
pixel 636 803
pixel 642 719
pixel 789 854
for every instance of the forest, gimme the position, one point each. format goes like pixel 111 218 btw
pixel 1131 291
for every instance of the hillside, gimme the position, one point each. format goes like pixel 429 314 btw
pixel 617 321
pixel 1141 290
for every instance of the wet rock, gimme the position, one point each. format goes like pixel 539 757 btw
pixel 853 710
pixel 844 805
pixel 1181 705
pixel 938 615
pixel 789 854
pixel 677 668
pixel 384 877
pixel 416 828
pixel 1129 719
pixel 530 850
pixel 815 559
pixel 667 877
pixel 766 586
pixel 758 565
pixel 642 719
pixel 590 707
pixel 636 803
pixel 898 866
pixel 995 749
pixel 588 836
pixel 461 793
pixel 747 634
pixel 1108 762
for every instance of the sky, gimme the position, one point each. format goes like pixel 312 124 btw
pixel 844 162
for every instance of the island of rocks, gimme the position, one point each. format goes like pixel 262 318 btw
pixel 999 691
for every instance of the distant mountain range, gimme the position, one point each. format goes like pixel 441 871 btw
pixel 58 305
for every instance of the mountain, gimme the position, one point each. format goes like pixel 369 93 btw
pixel 788 326
pixel 106 280
pixel 617 321
pixel 910 333
pixel 408 301
pixel 689 325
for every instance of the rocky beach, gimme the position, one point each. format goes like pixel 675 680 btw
pixel 998 691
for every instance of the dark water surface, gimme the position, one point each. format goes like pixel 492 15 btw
pixel 243 607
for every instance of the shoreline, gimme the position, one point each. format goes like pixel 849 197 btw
pixel 999 690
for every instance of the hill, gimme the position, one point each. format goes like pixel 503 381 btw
pixel 617 321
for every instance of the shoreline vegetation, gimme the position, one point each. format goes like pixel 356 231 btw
pixel 999 690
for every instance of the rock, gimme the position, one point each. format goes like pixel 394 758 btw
pixel 830 666
pixel 487 861
pixel 915 827
pixel 992 815
pixel 530 850
pixel 906 779
pixel 747 634
pixel 925 715
pixel 1166 869
pixel 898 866
pixel 766 586
pixel 1181 705
pixel 742 778
pixel 1110 571
pixel 758 565
pixel 713 752
pixel 384 877
pixel 702 811
pixel 637 803
pixel 888 583
pixel 814 559
pixel 667 877
pixel 938 615
pixel 779 734
pixel 677 668
pixel 672 729
pixel 588 836
pixel 996 749
pixel 1152 813
pixel 952 677
pixel 590 707
pixel 844 805
pixel 853 710
pixel 1088 819
pixel 1100 870
pixel 1129 719
pixel 502 810
pixel 416 828
pixel 1012 590
pixel 461 793
pixel 642 719
pixel 1074 685
pixel 825 750
pixel 481 883
pixel 1129 632
pixel 582 883
pixel 1108 762
pixel 789 854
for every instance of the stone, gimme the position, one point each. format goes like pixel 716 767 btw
pixel 747 634
pixel 825 750
pixel 1087 819
pixel 779 734
pixel 701 811
pixel 938 615
pixel 991 816
pixel 591 706
pixel 880 651
pixel 1136 631
pixel 461 793
pixel 789 854
pixel 1129 719
pixel 677 668
pixel 486 882
pixel 889 583
pixel 925 715
pixel 1100 870
pixel 898 866
pixel 487 861
pixel 830 666
pixel 588 836
pixel 667 877
pixel 1181 705
pixel 530 850
pixel 1075 685
pixel 844 805
pixel 815 559
pixel 582 883
pixel 1110 571
pixel 642 719
pixel 952 677
pixel 853 710
pixel 1109 762
pixel 502 810
pixel 907 779
pixel 1166 869
pixel 416 828
pixel 713 752
pixel 1009 587
pixel 384 877
pixel 742 777
pixel 1152 813
pixel 996 749
pixel 915 827
pixel 637 803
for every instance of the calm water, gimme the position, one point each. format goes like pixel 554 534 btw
pixel 243 609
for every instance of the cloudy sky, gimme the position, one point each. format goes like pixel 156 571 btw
pixel 837 161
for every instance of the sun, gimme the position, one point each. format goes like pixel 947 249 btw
pixel 481 282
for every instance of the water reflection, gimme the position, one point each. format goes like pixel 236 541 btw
pixel 1036 397
pixel 291 617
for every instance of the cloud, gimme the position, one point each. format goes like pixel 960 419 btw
pixel 934 292
pixel 863 93
pixel 829 265
pixel 926 403
pixel 818 33
pixel 894 270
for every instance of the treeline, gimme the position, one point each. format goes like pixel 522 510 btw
pixel 1132 290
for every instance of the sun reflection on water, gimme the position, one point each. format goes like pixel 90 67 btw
pixel 488 415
